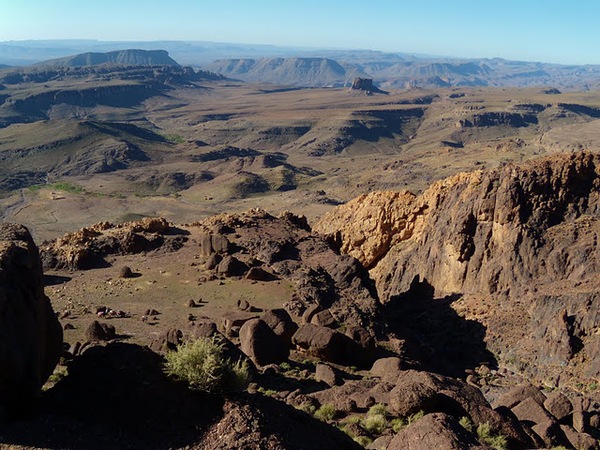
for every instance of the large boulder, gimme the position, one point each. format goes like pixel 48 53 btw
pixel 434 431
pixel 261 344
pixel 281 323
pixel 328 345
pixel 30 334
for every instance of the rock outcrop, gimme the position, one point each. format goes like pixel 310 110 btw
pixel 30 334
pixel 86 248
pixel 525 235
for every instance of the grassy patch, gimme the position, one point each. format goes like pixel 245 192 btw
pixel 326 413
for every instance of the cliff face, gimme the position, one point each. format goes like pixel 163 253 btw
pixel 481 232
pixel 30 334
pixel 519 244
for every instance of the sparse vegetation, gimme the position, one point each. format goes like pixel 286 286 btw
pixel 466 423
pixel 376 421
pixel 326 412
pixel 397 424
pixel 202 365
pixel 363 440
pixel 486 436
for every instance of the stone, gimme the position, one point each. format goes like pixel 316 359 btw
pixel 434 431
pixel 213 261
pixel 328 345
pixel 580 441
pixel 31 337
pixel 558 405
pixel 97 331
pixel 579 421
pixel 323 319
pixel 516 395
pixel 125 272
pixel 530 411
pixel 326 374
pixel 310 312
pixel 261 344
pixel 231 266
pixel 388 369
pixel 281 323
pixel 167 341
pixel 259 274
pixel 232 321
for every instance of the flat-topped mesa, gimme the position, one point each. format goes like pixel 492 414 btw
pixel 366 85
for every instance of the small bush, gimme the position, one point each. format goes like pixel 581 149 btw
pixel 377 410
pixel 486 436
pixel 466 423
pixel 375 424
pixel 414 417
pixel 363 440
pixel 202 365
pixel 307 408
pixel 397 424
pixel 326 413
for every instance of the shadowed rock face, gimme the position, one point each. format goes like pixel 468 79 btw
pixel 30 334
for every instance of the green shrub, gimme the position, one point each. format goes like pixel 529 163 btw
pixel 487 436
pixel 307 408
pixel 375 424
pixel 202 365
pixel 326 412
pixel 377 410
pixel 363 440
pixel 414 417
pixel 397 424
pixel 466 423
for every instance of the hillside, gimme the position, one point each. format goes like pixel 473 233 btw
pixel 121 57
pixel 287 71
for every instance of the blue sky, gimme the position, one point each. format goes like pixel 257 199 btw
pixel 550 31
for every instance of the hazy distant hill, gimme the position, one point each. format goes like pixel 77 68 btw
pixel 124 57
pixel 288 71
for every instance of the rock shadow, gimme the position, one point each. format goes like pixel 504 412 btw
pixel 116 396
pixel 436 336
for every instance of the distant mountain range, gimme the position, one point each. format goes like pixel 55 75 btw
pixel 307 67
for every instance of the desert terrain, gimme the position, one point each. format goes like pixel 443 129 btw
pixel 425 260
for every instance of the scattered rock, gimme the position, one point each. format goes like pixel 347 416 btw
pixel 97 331
pixel 434 431
pixel 261 344
pixel 232 321
pixel 125 272
pixel 259 274
pixel 327 375
pixel 558 405
pixel 388 369
pixel 324 319
pixel 167 341
pixel 230 266
pixel 281 323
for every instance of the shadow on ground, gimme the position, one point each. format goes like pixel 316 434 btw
pixel 117 397
pixel 435 335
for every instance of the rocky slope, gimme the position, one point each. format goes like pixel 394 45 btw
pixel 522 237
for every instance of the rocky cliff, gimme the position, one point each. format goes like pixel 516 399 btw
pixel 525 237
pixel 30 334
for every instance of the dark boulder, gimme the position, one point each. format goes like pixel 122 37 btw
pixel 97 331
pixel 281 323
pixel 261 344
pixel 31 335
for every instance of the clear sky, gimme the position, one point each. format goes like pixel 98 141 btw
pixel 535 30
